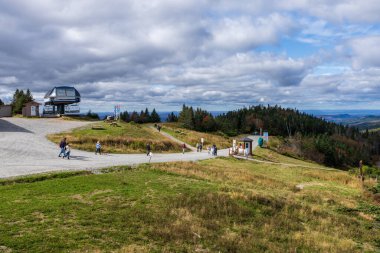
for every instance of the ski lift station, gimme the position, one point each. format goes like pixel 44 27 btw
pixel 62 100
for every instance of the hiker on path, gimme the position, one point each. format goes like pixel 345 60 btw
pixel 183 148
pixel 361 172
pixel 215 152
pixel 150 156
pixel 67 151
pixel 62 146
pixel 148 149
pixel 209 149
pixel 98 148
pixel 197 146
pixel 200 147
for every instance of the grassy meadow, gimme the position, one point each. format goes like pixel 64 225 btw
pixel 124 138
pixel 193 137
pixel 217 205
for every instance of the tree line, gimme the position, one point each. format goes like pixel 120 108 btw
pixel 317 139
pixel 142 117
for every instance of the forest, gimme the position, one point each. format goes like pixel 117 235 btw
pixel 300 134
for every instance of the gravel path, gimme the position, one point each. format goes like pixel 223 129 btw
pixel 25 150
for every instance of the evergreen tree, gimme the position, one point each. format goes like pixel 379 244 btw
pixel 134 117
pixel 172 117
pixel 154 117
pixel 28 96
pixel 124 116
pixel 186 117
pixel 1 102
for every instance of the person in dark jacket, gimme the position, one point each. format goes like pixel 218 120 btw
pixel 62 146
pixel 148 149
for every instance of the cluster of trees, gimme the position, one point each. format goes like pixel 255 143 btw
pixel 142 117
pixel 92 115
pixel 20 98
pixel 172 117
pixel 199 120
pixel 327 142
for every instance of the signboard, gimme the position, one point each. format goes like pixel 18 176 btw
pixel 266 136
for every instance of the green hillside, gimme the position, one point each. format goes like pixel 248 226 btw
pixel 122 138
pixel 218 205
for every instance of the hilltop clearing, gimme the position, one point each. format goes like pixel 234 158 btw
pixel 119 137
pixel 193 137
pixel 219 205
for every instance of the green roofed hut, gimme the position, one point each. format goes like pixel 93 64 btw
pixel 62 100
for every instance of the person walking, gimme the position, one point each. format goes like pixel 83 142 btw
pixel 62 146
pixel 183 148
pixel 200 147
pixel 361 172
pixel 67 151
pixel 148 149
pixel 197 146
pixel 98 148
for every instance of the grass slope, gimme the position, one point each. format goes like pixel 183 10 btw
pixel 219 205
pixel 193 137
pixel 126 138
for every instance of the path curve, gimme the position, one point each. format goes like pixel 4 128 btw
pixel 25 150
pixel 171 137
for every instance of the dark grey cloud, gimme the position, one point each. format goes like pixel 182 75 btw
pixel 168 52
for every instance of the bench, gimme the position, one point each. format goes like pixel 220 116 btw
pixel 97 127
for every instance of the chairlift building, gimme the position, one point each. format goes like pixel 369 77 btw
pixel 61 100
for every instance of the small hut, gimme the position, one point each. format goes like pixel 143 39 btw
pixel 31 109
pixel 5 111
pixel 245 143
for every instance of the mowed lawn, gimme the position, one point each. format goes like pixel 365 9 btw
pixel 193 137
pixel 218 205
pixel 123 138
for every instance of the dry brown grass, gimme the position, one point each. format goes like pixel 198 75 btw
pixel 193 137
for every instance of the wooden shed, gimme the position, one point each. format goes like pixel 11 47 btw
pixel 246 144
pixel 31 109
pixel 5 111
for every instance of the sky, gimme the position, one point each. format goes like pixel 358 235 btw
pixel 215 54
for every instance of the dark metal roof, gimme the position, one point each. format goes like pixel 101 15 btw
pixel 246 139
pixel 61 87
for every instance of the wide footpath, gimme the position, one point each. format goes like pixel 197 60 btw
pixel 25 150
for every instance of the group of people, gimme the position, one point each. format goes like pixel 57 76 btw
pixel 213 150
pixel 199 147
pixel 158 127
pixel 65 149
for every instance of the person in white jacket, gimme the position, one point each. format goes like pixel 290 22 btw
pixel 67 151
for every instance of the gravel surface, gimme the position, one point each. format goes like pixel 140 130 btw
pixel 25 150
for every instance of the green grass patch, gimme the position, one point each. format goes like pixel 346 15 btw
pixel 217 205
pixel 123 138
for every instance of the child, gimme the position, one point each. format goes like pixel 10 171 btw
pixel 98 148
pixel 67 151
pixel 183 148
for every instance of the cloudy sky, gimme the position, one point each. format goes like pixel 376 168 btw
pixel 218 54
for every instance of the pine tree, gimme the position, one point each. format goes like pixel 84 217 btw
pixel 172 117
pixel 1 102
pixel 154 117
